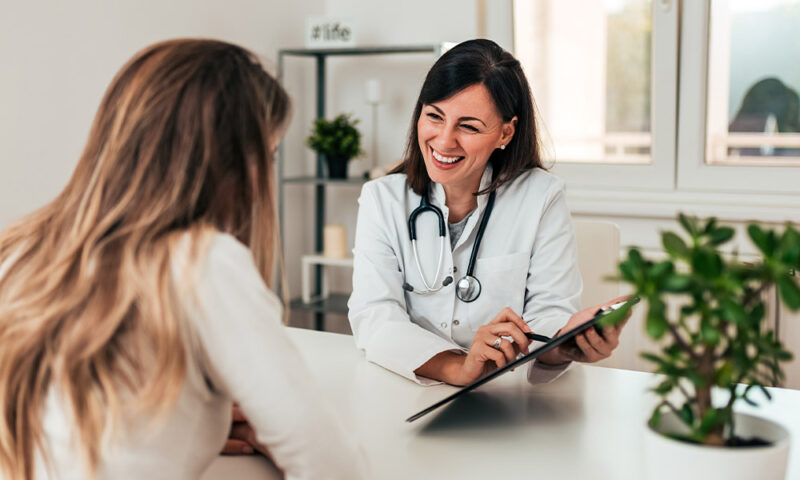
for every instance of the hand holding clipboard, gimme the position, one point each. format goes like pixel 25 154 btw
pixel 605 315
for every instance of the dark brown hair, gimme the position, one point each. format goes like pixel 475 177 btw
pixel 470 63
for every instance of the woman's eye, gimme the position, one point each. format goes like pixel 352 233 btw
pixel 469 128
pixel 433 116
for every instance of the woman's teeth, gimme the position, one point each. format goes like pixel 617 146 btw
pixel 444 159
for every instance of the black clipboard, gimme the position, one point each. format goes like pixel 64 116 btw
pixel 555 342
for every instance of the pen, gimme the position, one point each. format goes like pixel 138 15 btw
pixel 537 337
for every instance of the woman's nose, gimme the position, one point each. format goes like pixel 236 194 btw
pixel 447 137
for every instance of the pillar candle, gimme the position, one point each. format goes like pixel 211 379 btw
pixel 334 241
pixel 373 88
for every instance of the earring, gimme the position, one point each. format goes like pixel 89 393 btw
pixel 502 147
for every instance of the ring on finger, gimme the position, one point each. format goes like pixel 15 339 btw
pixel 497 342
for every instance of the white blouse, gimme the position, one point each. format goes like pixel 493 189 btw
pixel 240 353
pixel 527 261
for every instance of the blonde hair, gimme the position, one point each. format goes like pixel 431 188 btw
pixel 182 142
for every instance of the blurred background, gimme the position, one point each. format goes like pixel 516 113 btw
pixel 648 107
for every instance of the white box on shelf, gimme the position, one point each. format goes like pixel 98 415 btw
pixel 308 261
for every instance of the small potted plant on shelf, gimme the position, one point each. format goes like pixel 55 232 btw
pixel 338 140
pixel 717 349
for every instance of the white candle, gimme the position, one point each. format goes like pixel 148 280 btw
pixel 334 241
pixel 373 90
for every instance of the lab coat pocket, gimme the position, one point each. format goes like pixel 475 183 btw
pixel 503 280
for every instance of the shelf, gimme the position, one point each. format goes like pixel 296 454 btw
pixel 335 303
pixel 312 52
pixel 324 180
pixel 320 259
pixel 314 268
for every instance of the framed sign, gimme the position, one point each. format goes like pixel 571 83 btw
pixel 329 32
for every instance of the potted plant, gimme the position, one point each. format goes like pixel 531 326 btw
pixel 338 140
pixel 716 349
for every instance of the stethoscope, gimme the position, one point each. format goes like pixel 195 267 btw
pixel 468 288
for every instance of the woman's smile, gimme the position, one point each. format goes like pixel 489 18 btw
pixel 445 161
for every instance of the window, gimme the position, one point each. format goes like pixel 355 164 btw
pixel 753 82
pixel 606 119
pixel 606 77
pixel 604 104
pixel 740 72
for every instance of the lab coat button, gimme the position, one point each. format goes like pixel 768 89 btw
pixel 444 324
pixel 456 323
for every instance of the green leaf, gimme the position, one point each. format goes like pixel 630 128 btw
pixel 628 271
pixel 674 245
pixel 661 268
pixel 687 414
pixel 709 333
pixel 635 257
pixel 711 419
pixel 707 263
pixel 710 225
pixel 789 292
pixel 740 360
pixel 677 283
pixel 689 224
pixel 757 313
pixel 664 387
pixel 673 351
pixel 790 247
pixel 784 355
pixel 655 418
pixel 721 235
pixel 653 358
pixel 697 379
pixel 336 138
pixel 759 238
pixel 723 376
pixel 733 312
pixel 656 325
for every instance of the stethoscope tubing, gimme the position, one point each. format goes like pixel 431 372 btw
pixel 430 288
pixel 482 228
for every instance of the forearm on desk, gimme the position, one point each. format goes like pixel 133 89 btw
pixel 444 366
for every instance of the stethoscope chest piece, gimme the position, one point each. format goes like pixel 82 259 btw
pixel 468 288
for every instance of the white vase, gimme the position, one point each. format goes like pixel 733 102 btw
pixel 668 459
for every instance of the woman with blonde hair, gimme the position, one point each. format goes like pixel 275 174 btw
pixel 135 308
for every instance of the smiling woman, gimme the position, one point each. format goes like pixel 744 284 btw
pixel 469 92
pixel 472 159
pixel 463 128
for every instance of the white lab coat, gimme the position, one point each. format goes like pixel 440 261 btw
pixel 527 261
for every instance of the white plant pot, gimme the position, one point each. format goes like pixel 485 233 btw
pixel 668 459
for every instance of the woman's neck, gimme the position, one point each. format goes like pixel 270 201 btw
pixel 460 201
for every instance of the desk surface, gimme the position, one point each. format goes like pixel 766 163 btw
pixel 587 424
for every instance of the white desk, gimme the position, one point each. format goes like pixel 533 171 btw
pixel 587 424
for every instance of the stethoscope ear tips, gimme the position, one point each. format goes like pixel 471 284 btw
pixel 447 281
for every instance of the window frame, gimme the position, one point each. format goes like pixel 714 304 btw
pixel 694 174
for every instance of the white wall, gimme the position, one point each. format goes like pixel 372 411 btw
pixel 58 57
